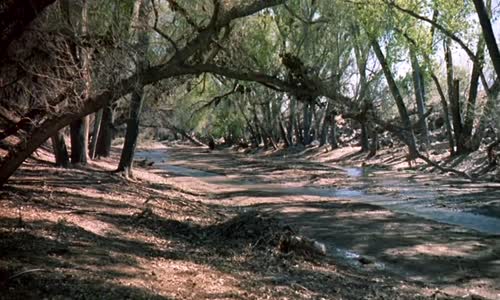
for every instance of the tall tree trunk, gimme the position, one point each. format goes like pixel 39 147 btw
pixel 130 143
pixel 364 138
pixel 299 137
pixel 373 143
pixel 60 150
pixel 446 114
pixel 325 125
pixel 487 114
pixel 333 131
pixel 79 141
pixel 284 135
pixel 291 120
pixel 473 89
pixel 95 133
pixel 419 89
pixel 105 137
pixel 258 131
pixel 409 137
pixel 454 99
pixel 457 117
pixel 307 123
pixel 80 129
pixel 488 34
pixel 137 98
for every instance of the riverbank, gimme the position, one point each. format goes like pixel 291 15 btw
pixel 89 233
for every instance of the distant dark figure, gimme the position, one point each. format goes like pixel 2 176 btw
pixel 211 143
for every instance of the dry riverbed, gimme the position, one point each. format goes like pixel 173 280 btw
pixel 169 234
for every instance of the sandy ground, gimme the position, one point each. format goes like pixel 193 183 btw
pixel 91 234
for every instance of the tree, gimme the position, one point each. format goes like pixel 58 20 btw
pixel 178 64
pixel 137 97
pixel 488 34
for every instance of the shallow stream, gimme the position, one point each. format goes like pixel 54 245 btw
pixel 408 196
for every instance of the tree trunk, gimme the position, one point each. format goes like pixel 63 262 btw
pixel 127 156
pixel 488 34
pixel 60 150
pixel 419 89
pixel 105 137
pixel 488 110
pixel 258 131
pixel 333 132
pixel 307 123
pixel 79 141
pixel 364 138
pixel 324 124
pixel 291 121
pixel 473 89
pixel 457 117
pixel 409 137
pixel 374 143
pixel 284 135
pixel 446 115
pixel 80 129
pixel 95 133
pixel 454 98
pixel 137 99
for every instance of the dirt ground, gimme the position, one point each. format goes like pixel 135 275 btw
pixel 88 233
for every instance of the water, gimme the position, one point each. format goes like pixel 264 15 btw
pixel 410 197
pixel 419 201
pixel 161 158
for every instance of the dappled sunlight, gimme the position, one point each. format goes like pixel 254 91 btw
pixel 460 249
pixel 376 215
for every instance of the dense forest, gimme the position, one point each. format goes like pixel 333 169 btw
pixel 88 83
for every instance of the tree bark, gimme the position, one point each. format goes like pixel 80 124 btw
pixel 105 137
pixel 137 99
pixel 95 133
pixel 457 117
pixel 446 114
pixel 78 141
pixel 418 86
pixel 307 123
pixel 60 150
pixel 80 129
pixel 473 89
pixel 284 135
pixel 127 156
pixel 488 34
pixel 364 138
pixel 409 137
pixel 291 120
pixel 333 131
pixel 373 144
